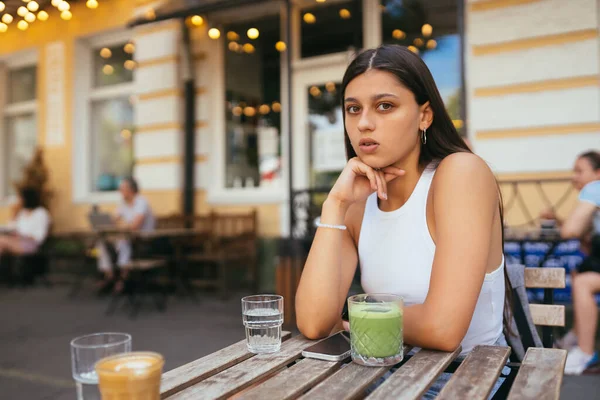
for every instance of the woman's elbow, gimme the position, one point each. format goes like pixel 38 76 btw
pixel 444 338
pixel 567 232
pixel 311 330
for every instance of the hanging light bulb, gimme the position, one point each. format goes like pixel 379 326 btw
pixel 233 36
pixel 30 17
pixel 3 27
pixel 345 13
pixel 64 6
pixel 426 30
pixel 108 69
pixel 66 15
pixel 129 48
pixel 7 18
pixel 197 20
pixel 214 33
pixel 22 11
pixel 2 6
pixel 42 16
pixel 253 33
pixel 105 52
pixel 280 46
pixel 56 3
pixel 93 4
pixel 309 18
pixel 23 25
pixel 130 65
pixel 33 6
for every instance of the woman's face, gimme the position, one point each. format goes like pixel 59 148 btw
pixel 584 173
pixel 383 119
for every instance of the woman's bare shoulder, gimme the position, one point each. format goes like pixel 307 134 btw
pixel 467 168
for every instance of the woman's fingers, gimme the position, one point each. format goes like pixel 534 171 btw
pixel 381 176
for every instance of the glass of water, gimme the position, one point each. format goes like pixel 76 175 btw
pixel 89 349
pixel 263 317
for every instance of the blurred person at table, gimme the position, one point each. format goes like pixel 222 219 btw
pixel 414 207
pixel 584 221
pixel 586 169
pixel 135 214
pixel 29 226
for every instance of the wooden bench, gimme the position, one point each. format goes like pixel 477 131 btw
pixel 225 240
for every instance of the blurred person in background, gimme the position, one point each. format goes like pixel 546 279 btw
pixel 135 214
pixel 29 225
pixel 584 224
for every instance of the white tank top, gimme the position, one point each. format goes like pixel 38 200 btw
pixel 396 256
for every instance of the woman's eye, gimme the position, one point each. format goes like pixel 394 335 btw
pixel 384 107
pixel 352 109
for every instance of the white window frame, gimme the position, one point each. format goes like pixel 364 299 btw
pixel 84 94
pixel 7 63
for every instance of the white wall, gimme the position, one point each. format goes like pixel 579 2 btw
pixel 533 82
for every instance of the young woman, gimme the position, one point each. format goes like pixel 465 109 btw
pixel 30 225
pixel 582 223
pixel 415 207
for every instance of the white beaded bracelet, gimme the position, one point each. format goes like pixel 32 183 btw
pixel 321 225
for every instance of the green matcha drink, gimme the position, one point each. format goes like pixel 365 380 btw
pixel 376 329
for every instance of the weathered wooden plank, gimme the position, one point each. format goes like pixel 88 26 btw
pixel 540 375
pixel 293 381
pixel 547 314
pixel 244 374
pixel 348 383
pixel 189 374
pixel 476 376
pixel 413 378
pixel 548 278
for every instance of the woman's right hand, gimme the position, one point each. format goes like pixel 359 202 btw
pixel 358 180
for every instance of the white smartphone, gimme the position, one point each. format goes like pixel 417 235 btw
pixel 335 348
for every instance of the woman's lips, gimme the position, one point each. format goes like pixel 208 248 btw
pixel 368 148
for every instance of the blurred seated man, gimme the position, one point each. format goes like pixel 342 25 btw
pixel 30 225
pixel 134 213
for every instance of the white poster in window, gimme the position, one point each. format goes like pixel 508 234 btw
pixel 329 153
pixel 55 94
pixel 268 152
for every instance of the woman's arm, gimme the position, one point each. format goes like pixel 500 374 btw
pixel 327 275
pixel 579 221
pixel 465 205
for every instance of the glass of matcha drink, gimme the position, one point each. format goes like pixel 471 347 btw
pixel 376 329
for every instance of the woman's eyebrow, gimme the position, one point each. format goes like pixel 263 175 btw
pixel 373 98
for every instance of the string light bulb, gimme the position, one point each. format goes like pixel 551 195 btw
pixel 214 33
pixel 30 17
pixel 426 30
pixel 108 69
pixel 64 6
pixel 42 16
pixel 129 48
pixel 92 4
pixel 33 6
pixel 22 11
pixel 7 19
pixel 197 20
pixel 3 27
pixel 56 3
pixel 66 15
pixel 309 18
pixel 280 46
pixel 345 13
pixel 105 52
pixel 2 6
pixel 23 25
pixel 253 33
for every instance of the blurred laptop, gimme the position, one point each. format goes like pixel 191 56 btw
pixel 99 220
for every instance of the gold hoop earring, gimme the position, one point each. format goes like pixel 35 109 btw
pixel 424 136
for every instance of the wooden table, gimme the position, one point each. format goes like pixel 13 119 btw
pixel 234 372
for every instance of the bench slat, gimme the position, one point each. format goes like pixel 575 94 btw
pixel 293 381
pixel 540 375
pixel 413 379
pixel 349 382
pixel 189 374
pixel 547 314
pixel 547 278
pixel 477 374
pixel 244 374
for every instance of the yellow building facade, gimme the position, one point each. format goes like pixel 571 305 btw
pixel 503 42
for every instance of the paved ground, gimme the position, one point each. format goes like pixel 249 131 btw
pixel 38 324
